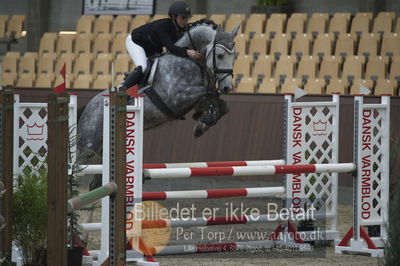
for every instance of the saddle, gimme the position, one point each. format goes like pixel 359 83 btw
pixel 146 86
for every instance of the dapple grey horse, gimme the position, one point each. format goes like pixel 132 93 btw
pixel 179 81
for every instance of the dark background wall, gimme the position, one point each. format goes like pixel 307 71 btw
pixel 252 130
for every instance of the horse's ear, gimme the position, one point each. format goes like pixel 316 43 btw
pixel 235 30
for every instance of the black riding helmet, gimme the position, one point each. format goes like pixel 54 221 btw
pixel 179 8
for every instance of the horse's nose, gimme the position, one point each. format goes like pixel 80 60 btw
pixel 226 89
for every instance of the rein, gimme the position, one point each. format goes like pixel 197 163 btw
pixel 229 72
pixel 203 65
pixel 191 40
pixel 210 78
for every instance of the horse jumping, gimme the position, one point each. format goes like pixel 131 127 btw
pixel 180 82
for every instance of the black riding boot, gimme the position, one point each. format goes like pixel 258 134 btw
pixel 133 78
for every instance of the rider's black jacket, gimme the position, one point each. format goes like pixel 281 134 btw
pixel 156 35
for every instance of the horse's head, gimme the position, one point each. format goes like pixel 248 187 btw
pixel 217 46
pixel 220 56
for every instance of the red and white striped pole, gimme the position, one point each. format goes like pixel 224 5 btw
pixel 224 220
pixel 218 220
pixel 202 221
pixel 215 193
pixel 195 221
pixel 214 164
pixel 98 168
pixel 249 170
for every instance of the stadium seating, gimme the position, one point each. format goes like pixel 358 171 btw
pixel 319 52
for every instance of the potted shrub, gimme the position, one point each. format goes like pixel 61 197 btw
pixel 76 242
pixel 29 216
pixel 76 245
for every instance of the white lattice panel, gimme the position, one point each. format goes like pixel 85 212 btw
pixel 371 185
pixel 313 138
pixel 373 163
pixel 30 133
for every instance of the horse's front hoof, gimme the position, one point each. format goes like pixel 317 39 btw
pixel 198 130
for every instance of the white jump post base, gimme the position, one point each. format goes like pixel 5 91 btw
pixel 371 184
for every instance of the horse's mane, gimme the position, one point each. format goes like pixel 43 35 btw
pixel 203 21
pixel 224 38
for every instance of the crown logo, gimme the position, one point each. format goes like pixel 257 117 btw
pixel 319 127
pixel 35 130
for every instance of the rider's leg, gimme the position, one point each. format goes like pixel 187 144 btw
pixel 139 58
pixel 133 78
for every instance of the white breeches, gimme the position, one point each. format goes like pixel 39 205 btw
pixel 136 52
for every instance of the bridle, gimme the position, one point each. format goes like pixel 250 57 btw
pixel 215 69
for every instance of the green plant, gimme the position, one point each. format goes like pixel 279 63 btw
pixel 73 217
pixel 74 234
pixel 30 209
pixel 29 212
pixel 30 206
pixel 271 2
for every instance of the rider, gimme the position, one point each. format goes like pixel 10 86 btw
pixel 149 39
